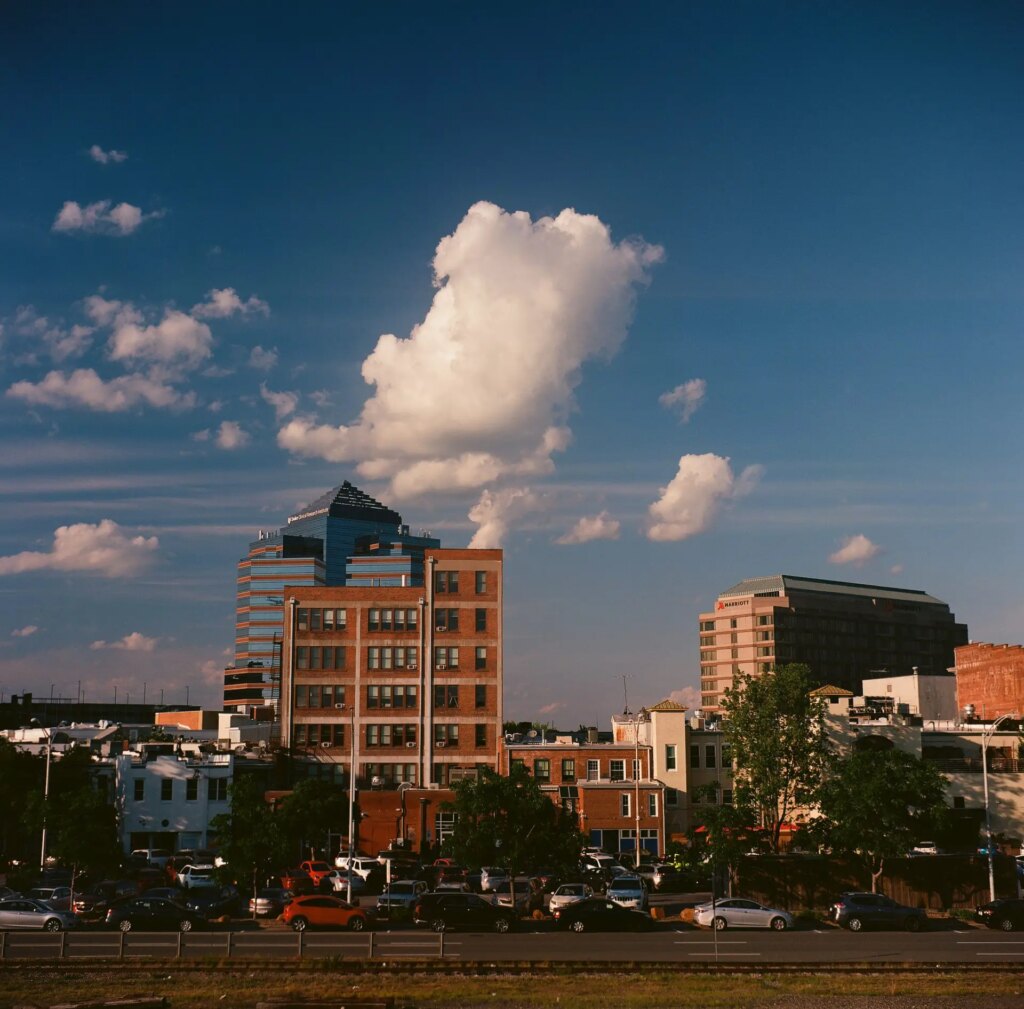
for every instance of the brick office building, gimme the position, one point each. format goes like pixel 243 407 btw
pixel 415 671
pixel 991 677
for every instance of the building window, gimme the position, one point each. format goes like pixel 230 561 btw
pixel 958 802
pixel 481 734
pixel 707 656
pixel 542 770
pixel 652 803
pixel 670 756
pixel 517 764
pixel 444 826
pixel 139 786
pixel 707 625
pixel 446 581
pixel 446 696
pixel 710 756
pixel 617 770
pixel 480 696
pixel 694 755
pixel 446 658
pixel 671 797
pixel 593 770
pixel 625 803
pixel 481 582
pixel 166 789
pixel 446 619
pixel 480 659
pixel 568 769
pixel 302 657
pixel 217 789
pixel 732 623
pixel 446 735
pixel 191 789
pixel 481 620
pixel 764 620
pixel 708 700
pixel 726 796
pixel 302 619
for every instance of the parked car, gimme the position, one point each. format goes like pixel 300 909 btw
pixel 57 897
pixel 925 848
pixel 856 911
pixel 23 912
pixel 92 905
pixel 568 893
pixel 194 876
pixel 491 877
pixel 147 879
pixel 154 856
pixel 152 914
pixel 269 902
pixel 336 881
pixel 322 911
pixel 629 891
pixel 527 894
pixel 171 893
pixel 401 896
pixel 214 903
pixel 297 880
pixel 315 870
pixel 666 878
pixel 361 864
pixel 467 911
pixel 737 912
pixel 598 914
pixel 1005 913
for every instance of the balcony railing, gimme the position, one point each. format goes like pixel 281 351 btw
pixel 972 765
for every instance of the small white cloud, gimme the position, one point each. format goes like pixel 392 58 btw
pixel 896 569
pixel 231 435
pixel 552 708
pixel 102 218
pixel 591 527
pixel 691 502
pixel 263 360
pixel 59 342
pixel 688 696
pixel 856 550
pixel 110 157
pixel 134 642
pixel 203 435
pixel 221 304
pixel 284 403
pixel 496 510
pixel 84 388
pixel 25 632
pixel 685 399
pixel 102 549
pixel 177 339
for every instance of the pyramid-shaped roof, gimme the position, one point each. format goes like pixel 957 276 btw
pixel 348 501
pixel 829 690
pixel 668 705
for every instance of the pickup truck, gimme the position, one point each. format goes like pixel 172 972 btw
pixel 192 877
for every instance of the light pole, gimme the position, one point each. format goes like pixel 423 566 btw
pixel 985 737
pixel 635 719
pixel 46 793
pixel 351 797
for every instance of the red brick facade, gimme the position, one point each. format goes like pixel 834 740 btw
pixel 991 677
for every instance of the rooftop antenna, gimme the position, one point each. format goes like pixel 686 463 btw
pixel 625 695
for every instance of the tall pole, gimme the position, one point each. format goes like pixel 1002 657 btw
pixel 351 797
pixel 46 796
pixel 985 737
pixel 636 788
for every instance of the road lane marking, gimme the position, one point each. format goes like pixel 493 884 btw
pixel 723 954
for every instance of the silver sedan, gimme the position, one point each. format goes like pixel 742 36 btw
pixel 737 912
pixel 25 913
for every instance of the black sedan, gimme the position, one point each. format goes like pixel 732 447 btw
pixel 1006 914
pixel 153 914
pixel 598 914
pixel 464 911
pixel 214 903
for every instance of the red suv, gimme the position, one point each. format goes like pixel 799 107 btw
pixel 321 911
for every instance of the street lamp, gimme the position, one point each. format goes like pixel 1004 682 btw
pixel 351 796
pixel 46 791
pixel 635 719
pixel 985 737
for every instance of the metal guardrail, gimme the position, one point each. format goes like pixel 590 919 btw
pixel 996 765
pixel 69 946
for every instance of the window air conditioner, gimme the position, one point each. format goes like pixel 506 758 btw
pixel 440 627
pixel 411 664
pixel 440 743
pixel 340 707
pixel 442 665
pixel 325 743
pixel 410 746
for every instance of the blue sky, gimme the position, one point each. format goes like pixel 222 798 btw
pixel 801 223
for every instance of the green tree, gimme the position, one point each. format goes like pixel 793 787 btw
pixel 250 837
pixel 878 804
pixel 776 734
pixel 312 811
pixel 509 821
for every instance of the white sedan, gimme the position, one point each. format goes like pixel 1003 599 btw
pixel 737 912
pixel 568 893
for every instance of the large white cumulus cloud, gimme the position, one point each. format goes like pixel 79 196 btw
pixel 482 387
pixel 691 502
pixel 101 549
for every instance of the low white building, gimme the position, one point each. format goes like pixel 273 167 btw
pixel 930 696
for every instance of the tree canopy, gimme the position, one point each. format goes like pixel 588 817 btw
pixel 879 803
pixel 509 821
pixel 775 731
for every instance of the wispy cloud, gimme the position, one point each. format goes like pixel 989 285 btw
pixel 231 435
pixel 263 360
pixel 685 399
pixel 591 527
pixel 221 304
pixel 102 549
pixel 25 632
pixel 102 218
pixel 284 403
pixel 84 388
pixel 856 550
pixel 111 157
pixel 134 642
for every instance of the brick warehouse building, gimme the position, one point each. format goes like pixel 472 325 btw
pixel 844 631
pixel 991 677
pixel 604 784
pixel 415 671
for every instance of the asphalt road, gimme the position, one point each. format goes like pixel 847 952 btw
pixel 671 942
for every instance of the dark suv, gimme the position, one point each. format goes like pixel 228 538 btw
pixel 1005 913
pixel 467 911
pixel 857 911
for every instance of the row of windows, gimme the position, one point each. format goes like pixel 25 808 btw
pixel 315 620
pixel 762 620
pixel 448 582
pixel 387 734
pixel 320 657
pixel 447 695
pixel 391 774
pixel 216 789
pixel 710 755
pixel 325 695
pixel 319 695
pixel 448 735
pixel 392 658
pixel 626 803
pixel 392 697
pixel 325 734
pixel 391 620
pixel 307 619
pixel 616 769
pixel 447 619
